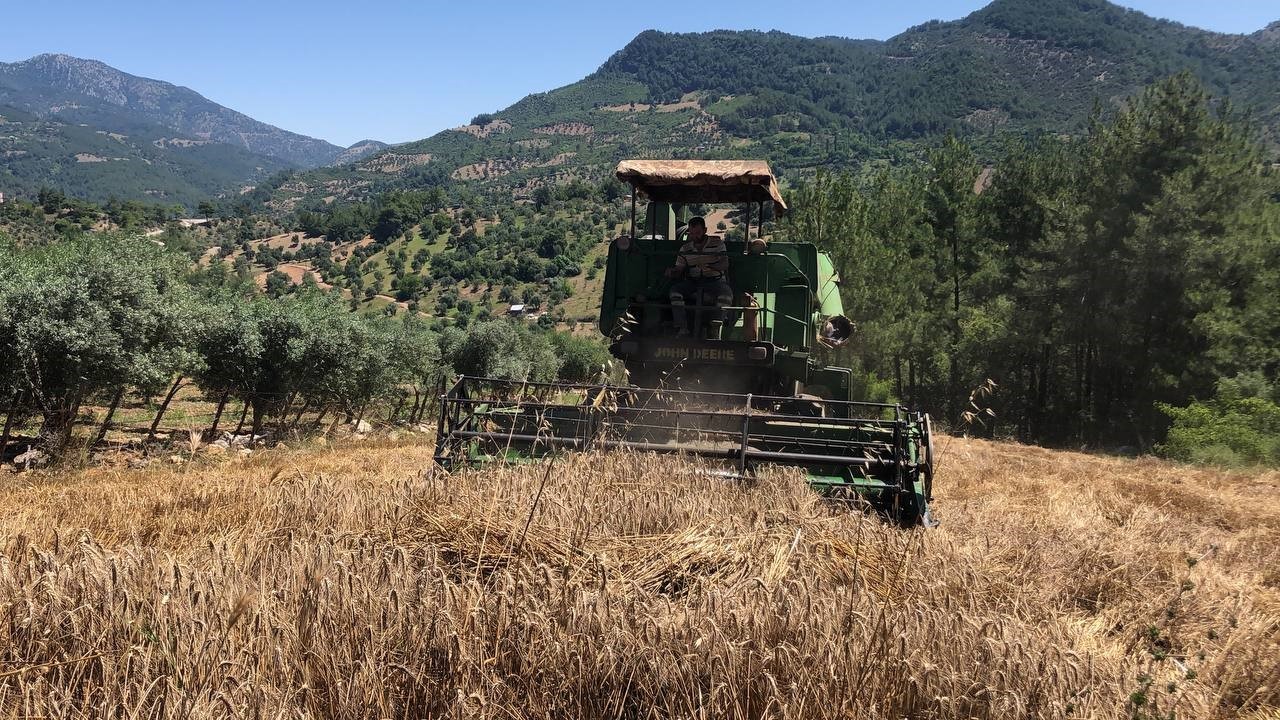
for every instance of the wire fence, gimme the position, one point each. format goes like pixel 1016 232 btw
pixel 147 421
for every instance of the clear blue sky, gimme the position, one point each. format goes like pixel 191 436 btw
pixel 399 71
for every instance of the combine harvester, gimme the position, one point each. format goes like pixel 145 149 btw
pixel 740 382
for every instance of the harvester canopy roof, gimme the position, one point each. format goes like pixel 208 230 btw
pixel 703 181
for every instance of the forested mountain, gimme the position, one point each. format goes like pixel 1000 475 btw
pixel 1015 65
pixel 74 90
pixel 137 162
pixel 93 132
pixel 1015 62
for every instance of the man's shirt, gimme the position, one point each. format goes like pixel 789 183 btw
pixel 712 261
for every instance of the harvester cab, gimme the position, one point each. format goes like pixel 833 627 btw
pixel 725 345
pixel 784 309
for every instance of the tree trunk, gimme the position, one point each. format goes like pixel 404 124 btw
pixel 395 412
pixel 324 410
pixel 911 383
pixel 111 411
pixel 288 405
pixel 257 422
pixel 298 418
pixel 8 423
pixel 164 406
pixel 70 424
pixel 56 423
pixel 244 412
pixel 416 411
pixel 217 416
pixel 953 373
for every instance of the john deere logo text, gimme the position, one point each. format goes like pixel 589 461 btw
pixel 695 353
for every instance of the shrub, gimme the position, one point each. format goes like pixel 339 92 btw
pixel 582 359
pixel 1239 426
pixel 500 349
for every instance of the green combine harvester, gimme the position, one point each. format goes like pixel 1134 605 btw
pixel 724 360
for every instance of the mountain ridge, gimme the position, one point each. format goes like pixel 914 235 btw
pixel 358 150
pixel 1012 66
pixel 76 89
pixel 138 162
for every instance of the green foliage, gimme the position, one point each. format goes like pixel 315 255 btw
pixel 230 345
pixel 582 359
pixel 409 288
pixel 500 348
pixel 414 353
pixel 89 314
pixel 1240 425
pixel 278 284
pixel 1094 279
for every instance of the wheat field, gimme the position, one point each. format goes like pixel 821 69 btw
pixel 356 582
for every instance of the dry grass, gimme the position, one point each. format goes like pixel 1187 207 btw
pixel 352 583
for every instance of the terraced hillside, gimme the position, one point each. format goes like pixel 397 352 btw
pixel 1015 65
pixel 454 263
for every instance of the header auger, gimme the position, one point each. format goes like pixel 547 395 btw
pixel 740 381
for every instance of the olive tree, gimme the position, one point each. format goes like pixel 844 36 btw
pixel 87 316
pixel 230 347
pixel 502 349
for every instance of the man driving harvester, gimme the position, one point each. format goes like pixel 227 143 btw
pixel 699 273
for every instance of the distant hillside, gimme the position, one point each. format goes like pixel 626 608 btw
pixel 74 90
pixel 359 150
pixel 139 162
pixel 1015 65
pixel 1036 64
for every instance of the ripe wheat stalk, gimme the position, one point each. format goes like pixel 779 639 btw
pixel 352 583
